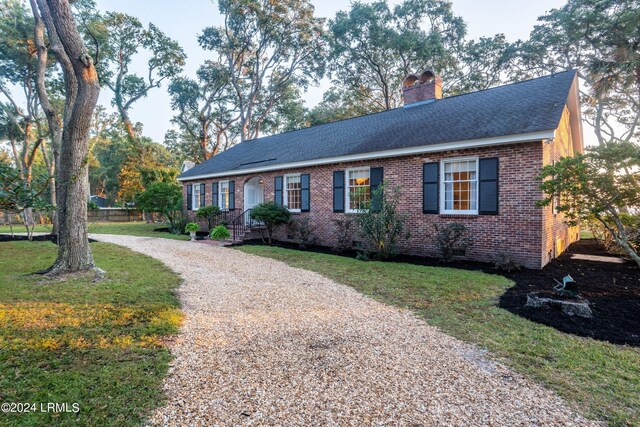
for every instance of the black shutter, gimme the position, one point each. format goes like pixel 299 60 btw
pixel 430 187
pixel 304 185
pixel 232 195
pixel 202 193
pixel 338 191
pixel 488 183
pixel 189 197
pixel 215 199
pixel 277 185
pixel 376 176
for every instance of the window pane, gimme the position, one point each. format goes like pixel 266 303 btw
pixel 358 189
pixel 294 192
pixel 460 185
pixel 224 195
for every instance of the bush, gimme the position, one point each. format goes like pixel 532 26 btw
pixel 272 216
pixel 192 227
pixel 344 234
pixel 208 213
pixel 503 261
pixel 629 223
pixel 383 227
pixel 178 223
pixel 91 205
pixel 220 232
pixel 164 198
pixel 302 232
pixel 451 240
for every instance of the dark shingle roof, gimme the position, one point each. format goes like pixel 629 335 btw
pixel 524 107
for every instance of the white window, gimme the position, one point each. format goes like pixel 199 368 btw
pixel 223 195
pixel 459 183
pixel 195 197
pixel 292 196
pixel 358 189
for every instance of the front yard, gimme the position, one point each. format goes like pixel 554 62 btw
pixel 128 228
pixel 600 379
pixel 99 345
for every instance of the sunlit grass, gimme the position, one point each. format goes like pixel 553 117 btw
pixel 98 344
pixel 129 228
pixel 599 379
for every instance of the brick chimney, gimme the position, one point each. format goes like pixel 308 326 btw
pixel 427 87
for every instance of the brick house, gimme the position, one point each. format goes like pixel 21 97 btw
pixel 471 158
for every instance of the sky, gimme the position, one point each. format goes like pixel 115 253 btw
pixel 184 20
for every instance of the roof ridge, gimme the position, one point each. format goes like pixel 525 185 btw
pixel 400 108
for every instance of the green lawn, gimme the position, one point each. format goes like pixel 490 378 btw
pixel 600 380
pixel 130 228
pixel 73 341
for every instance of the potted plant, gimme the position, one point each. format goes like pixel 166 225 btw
pixel 191 228
pixel 219 233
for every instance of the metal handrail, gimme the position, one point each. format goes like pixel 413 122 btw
pixel 222 216
pixel 242 223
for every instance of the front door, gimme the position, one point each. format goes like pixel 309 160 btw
pixel 253 194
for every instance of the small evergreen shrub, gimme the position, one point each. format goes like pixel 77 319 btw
pixel 208 213
pixel 272 216
pixel 451 240
pixel 220 232
pixel 344 234
pixel 381 228
pixel 504 261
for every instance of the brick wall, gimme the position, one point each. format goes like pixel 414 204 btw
pixel 556 235
pixel 517 230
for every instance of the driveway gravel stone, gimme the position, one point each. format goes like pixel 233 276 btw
pixel 267 344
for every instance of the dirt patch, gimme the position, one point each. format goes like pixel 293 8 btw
pixel 38 238
pixel 612 289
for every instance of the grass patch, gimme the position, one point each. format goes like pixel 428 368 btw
pixel 128 228
pixel 599 379
pixel 73 341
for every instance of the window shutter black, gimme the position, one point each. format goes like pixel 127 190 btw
pixel 189 197
pixel 376 176
pixel 215 199
pixel 232 195
pixel 338 191
pixel 430 187
pixel 488 183
pixel 278 190
pixel 202 193
pixel 304 185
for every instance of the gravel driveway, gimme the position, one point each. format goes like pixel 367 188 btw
pixel 265 343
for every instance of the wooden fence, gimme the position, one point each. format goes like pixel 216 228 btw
pixel 94 215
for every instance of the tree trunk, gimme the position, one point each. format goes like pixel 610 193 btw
pixel 53 117
pixel 74 252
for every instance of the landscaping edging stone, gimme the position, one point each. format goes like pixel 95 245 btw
pixel 570 308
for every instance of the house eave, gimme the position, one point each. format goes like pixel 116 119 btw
pixel 447 146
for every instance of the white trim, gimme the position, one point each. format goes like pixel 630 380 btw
pixel 447 146
pixel 445 211
pixel 347 201
pixel 193 195
pixel 220 194
pixel 285 197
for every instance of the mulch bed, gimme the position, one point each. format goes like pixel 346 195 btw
pixel 612 289
pixel 39 238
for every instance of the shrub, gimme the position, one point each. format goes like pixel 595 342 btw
pixel 192 227
pixel 451 240
pixel 272 216
pixel 92 205
pixel 164 198
pixel 178 223
pixel 383 227
pixel 503 261
pixel 629 223
pixel 208 213
pixel 220 232
pixel 344 234
pixel 302 232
